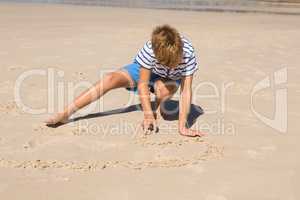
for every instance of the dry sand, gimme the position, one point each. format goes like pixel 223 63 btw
pixel 104 156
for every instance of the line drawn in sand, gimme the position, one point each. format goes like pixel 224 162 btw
pixel 212 152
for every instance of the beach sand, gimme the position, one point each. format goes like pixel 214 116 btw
pixel 105 155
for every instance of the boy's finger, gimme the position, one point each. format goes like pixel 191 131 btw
pixel 155 128
pixel 151 127
pixel 147 131
pixel 145 128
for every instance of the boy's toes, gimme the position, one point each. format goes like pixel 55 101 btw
pixel 50 121
pixel 59 118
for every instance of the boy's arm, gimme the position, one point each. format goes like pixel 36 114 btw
pixel 184 107
pixel 144 95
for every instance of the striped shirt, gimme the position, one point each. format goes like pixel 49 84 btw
pixel 188 66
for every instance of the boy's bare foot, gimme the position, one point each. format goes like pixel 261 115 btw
pixel 59 118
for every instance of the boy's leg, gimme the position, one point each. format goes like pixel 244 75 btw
pixel 113 80
pixel 164 90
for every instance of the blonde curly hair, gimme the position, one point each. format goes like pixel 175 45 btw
pixel 167 45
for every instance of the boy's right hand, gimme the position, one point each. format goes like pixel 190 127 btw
pixel 149 125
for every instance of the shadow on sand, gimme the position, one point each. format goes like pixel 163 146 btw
pixel 169 112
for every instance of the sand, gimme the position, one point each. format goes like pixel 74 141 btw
pixel 105 155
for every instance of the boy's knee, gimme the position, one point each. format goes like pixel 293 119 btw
pixel 111 76
pixel 163 91
pixel 112 80
pixel 162 94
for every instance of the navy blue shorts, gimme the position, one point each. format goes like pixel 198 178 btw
pixel 133 70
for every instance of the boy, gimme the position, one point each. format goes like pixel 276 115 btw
pixel 164 63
